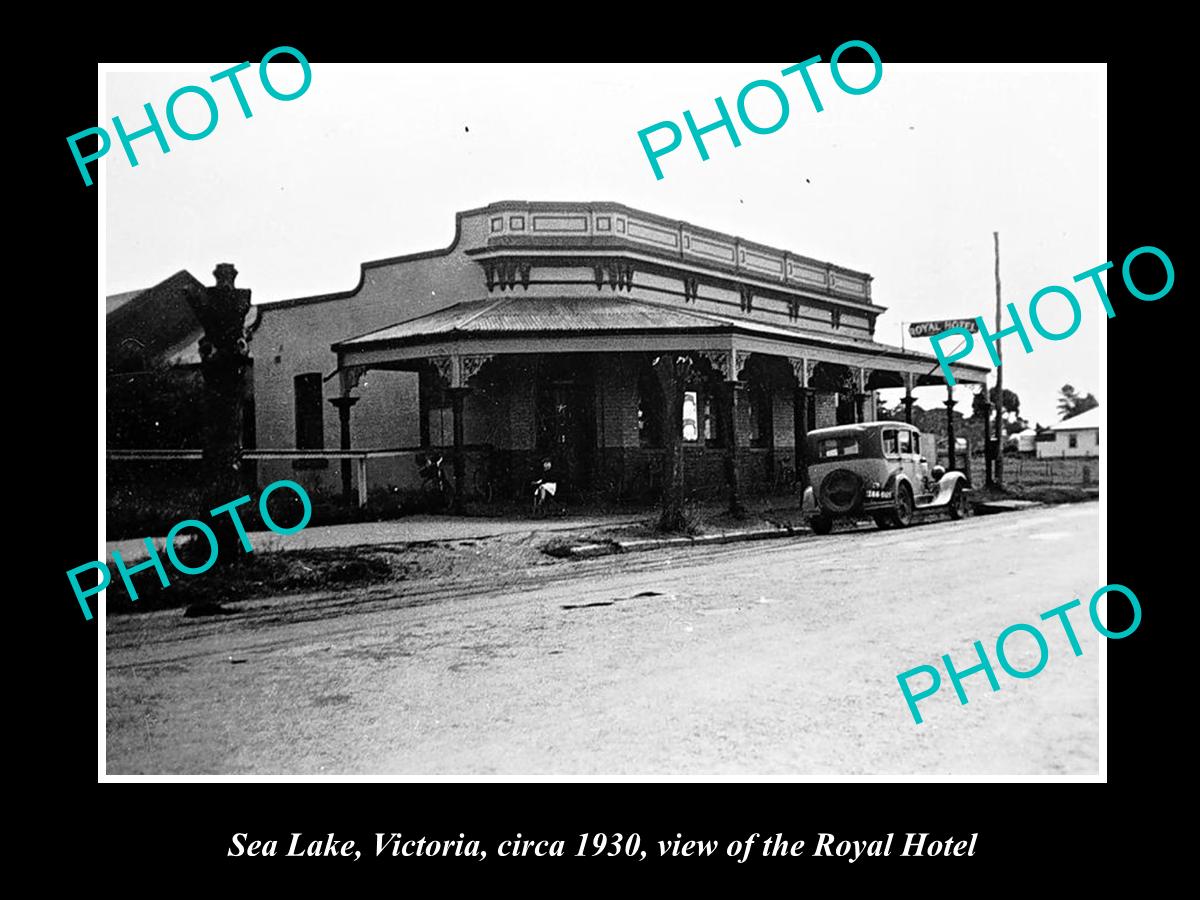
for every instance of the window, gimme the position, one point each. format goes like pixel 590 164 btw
pixel 1072 441
pixel 691 425
pixel 906 447
pixel 310 424
pixel 837 447
pixel 891 446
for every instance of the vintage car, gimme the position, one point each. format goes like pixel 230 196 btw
pixel 876 469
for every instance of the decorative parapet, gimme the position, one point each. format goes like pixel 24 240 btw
pixel 608 226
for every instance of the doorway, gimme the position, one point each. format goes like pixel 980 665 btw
pixel 566 418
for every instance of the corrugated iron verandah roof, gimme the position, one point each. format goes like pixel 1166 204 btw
pixel 537 314
pixel 544 323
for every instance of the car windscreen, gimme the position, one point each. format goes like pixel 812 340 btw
pixel 837 447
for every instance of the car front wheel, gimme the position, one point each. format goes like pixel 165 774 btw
pixel 902 515
pixel 959 507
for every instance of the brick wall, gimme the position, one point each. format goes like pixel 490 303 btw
pixel 826 406
pixel 617 398
pixel 785 419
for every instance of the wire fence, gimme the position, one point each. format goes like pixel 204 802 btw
pixel 1071 470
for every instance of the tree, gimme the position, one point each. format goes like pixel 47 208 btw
pixel 883 413
pixel 1071 403
pixel 1013 420
pixel 673 372
pixel 160 407
pixel 224 363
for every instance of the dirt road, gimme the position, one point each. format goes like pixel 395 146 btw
pixel 750 659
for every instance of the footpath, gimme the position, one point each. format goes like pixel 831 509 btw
pixel 407 530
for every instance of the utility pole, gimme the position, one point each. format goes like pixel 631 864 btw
pixel 901 335
pixel 999 378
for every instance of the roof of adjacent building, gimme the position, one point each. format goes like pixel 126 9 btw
pixel 153 325
pixel 115 301
pixel 1081 422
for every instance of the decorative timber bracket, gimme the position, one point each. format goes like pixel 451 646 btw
pixel 718 359
pixel 747 297
pixel 456 371
pixel 740 358
pixel 349 377
pixel 471 366
pixel 802 369
pixel 618 274
pixel 505 273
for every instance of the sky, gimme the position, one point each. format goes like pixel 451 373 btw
pixel 907 182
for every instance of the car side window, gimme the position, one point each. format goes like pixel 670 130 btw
pixel 906 442
pixel 890 446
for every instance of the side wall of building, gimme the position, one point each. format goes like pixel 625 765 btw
pixel 294 338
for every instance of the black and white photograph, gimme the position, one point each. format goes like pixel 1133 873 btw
pixel 568 421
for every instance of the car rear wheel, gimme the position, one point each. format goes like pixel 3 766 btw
pixel 902 515
pixel 959 507
pixel 821 524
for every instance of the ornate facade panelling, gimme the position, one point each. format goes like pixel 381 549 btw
pixel 807 273
pixel 650 233
pixel 762 263
pixel 844 283
pixel 558 224
pixel 704 248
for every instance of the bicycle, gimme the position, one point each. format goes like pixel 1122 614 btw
pixel 435 486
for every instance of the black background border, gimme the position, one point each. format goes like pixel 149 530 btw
pixel 1146 398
